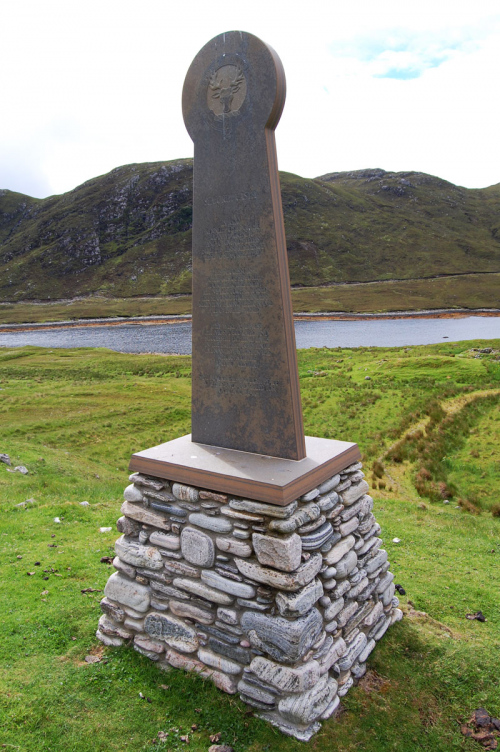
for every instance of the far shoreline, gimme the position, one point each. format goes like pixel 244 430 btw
pixel 186 318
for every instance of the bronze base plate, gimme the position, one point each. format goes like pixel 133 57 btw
pixel 253 476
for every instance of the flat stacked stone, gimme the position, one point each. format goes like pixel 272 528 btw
pixel 279 604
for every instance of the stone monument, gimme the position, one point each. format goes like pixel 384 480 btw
pixel 249 553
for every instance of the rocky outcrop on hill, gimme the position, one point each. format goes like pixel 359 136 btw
pixel 128 233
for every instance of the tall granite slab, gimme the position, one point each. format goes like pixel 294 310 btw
pixel 245 381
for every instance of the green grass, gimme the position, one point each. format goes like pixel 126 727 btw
pixel 74 417
pixel 91 308
pixel 466 291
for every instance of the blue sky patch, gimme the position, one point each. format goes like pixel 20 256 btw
pixel 400 73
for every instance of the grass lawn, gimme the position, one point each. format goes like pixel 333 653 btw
pixel 470 291
pixel 74 417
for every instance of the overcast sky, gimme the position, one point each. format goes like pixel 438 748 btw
pixel 89 85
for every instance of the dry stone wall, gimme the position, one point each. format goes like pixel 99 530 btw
pixel 281 605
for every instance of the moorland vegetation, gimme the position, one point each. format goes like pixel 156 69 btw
pixel 426 420
pixel 367 240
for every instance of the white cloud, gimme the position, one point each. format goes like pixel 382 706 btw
pixel 88 86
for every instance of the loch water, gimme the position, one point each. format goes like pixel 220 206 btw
pixel 176 337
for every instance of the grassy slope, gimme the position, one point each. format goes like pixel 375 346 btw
pixel 128 234
pixel 74 417
pixel 466 291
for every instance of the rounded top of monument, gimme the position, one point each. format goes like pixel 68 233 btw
pixel 234 77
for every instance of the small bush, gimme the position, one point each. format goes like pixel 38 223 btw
pixel 495 510
pixel 424 474
pixel 469 506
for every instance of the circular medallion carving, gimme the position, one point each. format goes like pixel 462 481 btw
pixel 226 90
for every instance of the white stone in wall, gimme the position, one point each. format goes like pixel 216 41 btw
pixel 329 484
pixel 108 627
pixel 175 568
pixel 222 681
pixel 383 629
pixel 174 632
pixel 233 546
pixel 136 625
pixel 302 733
pixel 215 524
pixel 397 615
pixel 335 651
pixel 346 564
pixel 108 640
pixel 197 547
pixel 309 706
pixel 387 595
pixel 185 493
pixel 285 678
pixel 164 540
pixel 219 662
pixel 384 582
pixel 281 553
pixel 300 602
pixel 235 514
pixel 333 706
pixel 116 613
pixel 190 611
pixel 127 526
pixel 354 648
pixel 146 516
pixel 126 569
pixel 363 656
pixel 198 588
pixel 348 527
pixel 339 550
pixel 372 564
pixel 281 580
pixel 305 514
pixel 132 493
pixel 374 615
pixel 138 555
pixel 143 480
pixel 352 468
pixel 310 495
pixel 283 640
pixel 334 609
pixel 238 589
pixel 127 592
pixel 249 691
pixel 259 507
pixel 347 613
pixel 152 646
pixel 352 494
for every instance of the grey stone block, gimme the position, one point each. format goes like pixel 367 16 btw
pixel 309 706
pixel 174 632
pixel 281 580
pixel 300 602
pixel 197 547
pixel 128 592
pixel 282 553
pixel 282 640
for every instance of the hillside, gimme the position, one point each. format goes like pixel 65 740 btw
pixel 128 233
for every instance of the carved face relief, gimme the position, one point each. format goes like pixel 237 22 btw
pixel 227 90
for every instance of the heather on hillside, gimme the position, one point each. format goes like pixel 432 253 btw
pixel 127 234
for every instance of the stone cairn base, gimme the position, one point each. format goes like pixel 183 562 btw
pixel 282 605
